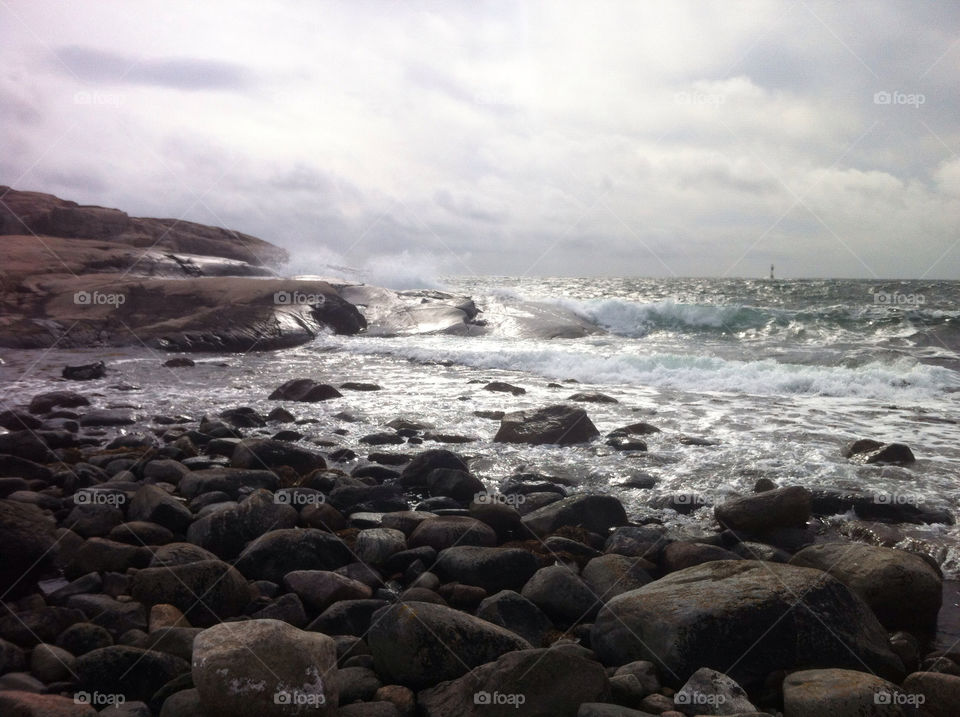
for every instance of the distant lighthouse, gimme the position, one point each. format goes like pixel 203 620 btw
pixel 771 271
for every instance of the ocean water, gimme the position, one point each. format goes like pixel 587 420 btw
pixel 777 374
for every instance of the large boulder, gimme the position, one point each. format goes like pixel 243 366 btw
pixel 46 402
pixel 596 513
pixel 420 644
pixel 561 594
pixel 514 612
pixel 319 589
pixel 755 618
pixel 265 668
pixel 226 480
pixel 154 505
pixel 940 693
pixel 207 591
pixel 535 683
pixel 273 555
pixel 763 512
pixel 18 703
pixel 561 425
pixel 227 531
pixel 416 472
pixel 611 575
pixel 903 589
pixel 447 531
pixel 28 536
pixel 493 569
pixel 839 693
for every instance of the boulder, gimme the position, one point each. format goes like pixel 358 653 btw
pixel 265 668
pixel 28 536
pixel 419 644
pixel 501 387
pixel 493 569
pixel 46 402
pixel 680 555
pixel 347 617
pixel 535 683
pixel 745 615
pixel 376 545
pixel 514 612
pixel 415 473
pixel 304 389
pixel 940 692
pixel 273 555
pixel 903 589
pixel 456 484
pixel 50 663
pixel 227 531
pixel 319 589
pixel 449 530
pixel 762 512
pixel 610 575
pixel 129 671
pixel 18 703
pixel 227 480
pixel 561 425
pixel 152 504
pixel 105 556
pixel 206 592
pixel 562 595
pixel 268 454
pixel 85 372
pixel 596 513
pixel 839 693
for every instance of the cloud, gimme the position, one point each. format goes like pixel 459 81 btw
pixel 186 73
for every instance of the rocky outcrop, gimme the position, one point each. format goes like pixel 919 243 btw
pixel 562 425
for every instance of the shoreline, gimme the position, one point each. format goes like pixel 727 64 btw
pixel 225 482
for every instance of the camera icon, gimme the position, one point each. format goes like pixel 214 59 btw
pixel 282 497
pixel 883 698
pixel 283 697
pixel 882 98
pixel 82 497
pixel 482 698
pixel 82 298
pixel 81 698
pixel 282 297
pixel 882 498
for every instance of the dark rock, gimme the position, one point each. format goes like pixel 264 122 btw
pixel 562 425
pixel 493 569
pixel 27 445
pixel 903 589
pixel 172 554
pixel 28 536
pixel 762 512
pixel 457 484
pixel 418 469
pixel 375 545
pixel 743 618
pixel 85 372
pixel 46 402
pixel 12 466
pixel 232 481
pixel 347 617
pixel 205 591
pixel 516 613
pixel 101 555
pixel 419 644
pixel 610 575
pixel 304 389
pixel 130 671
pixel 596 513
pixel 863 445
pixel 896 453
pixel 941 692
pixel 319 589
pixel 179 362
pixel 14 420
pixel 382 439
pixel 502 387
pixel 680 555
pixel 280 415
pixel 878 506
pixel 243 417
pixel 357 386
pixel 709 691
pixel 562 595
pixel 812 693
pixel 226 531
pixel 152 504
pixel 447 531
pixel 20 703
pixel 592 398
pixel 273 555
pixel 83 637
pixel 266 453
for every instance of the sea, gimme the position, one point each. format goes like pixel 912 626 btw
pixel 774 376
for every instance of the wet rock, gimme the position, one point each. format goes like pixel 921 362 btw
pixel 319 589
pixel 902 589
pixel 101 555
pixel 85 372
pixel 456 484
pixel 763 512
pixel 720 614
pixel 130 671
pixel 418 469
pixel 867 450
pixel 838 693
pixel 14 420
pixel 179 554
pixel 419 644
pixel 273 555
pixel 347 617
pixel 680 555
pixel 152 504
pixel 501 387
pixel 592 398
pixel 93 519
pixel 596 513
pixel 12 466
pixel 164 470
pixel 18 703
pixel 231 481
pixel 376 545
pixel 359 386
pixel 709 692
pixel 28 445
pixel 280 415
pixel 50 663
pixel 266 453
pixel 492 569
pixel 356 684
pixel 226 531
pixel 243 417
pixel 179 362
pixel 235 675
pixel 107 417
pixel 306 390
pixel 561 425
pixel 83 637
pixel 205 591
pixel 622 443
pixel 876 506
pixel 447 531
pixel 46 402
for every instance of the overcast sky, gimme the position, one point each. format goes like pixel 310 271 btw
pixel 635 138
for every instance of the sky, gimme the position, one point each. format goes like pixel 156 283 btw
pixel 544 138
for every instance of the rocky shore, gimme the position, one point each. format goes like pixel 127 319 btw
pixel 174 566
